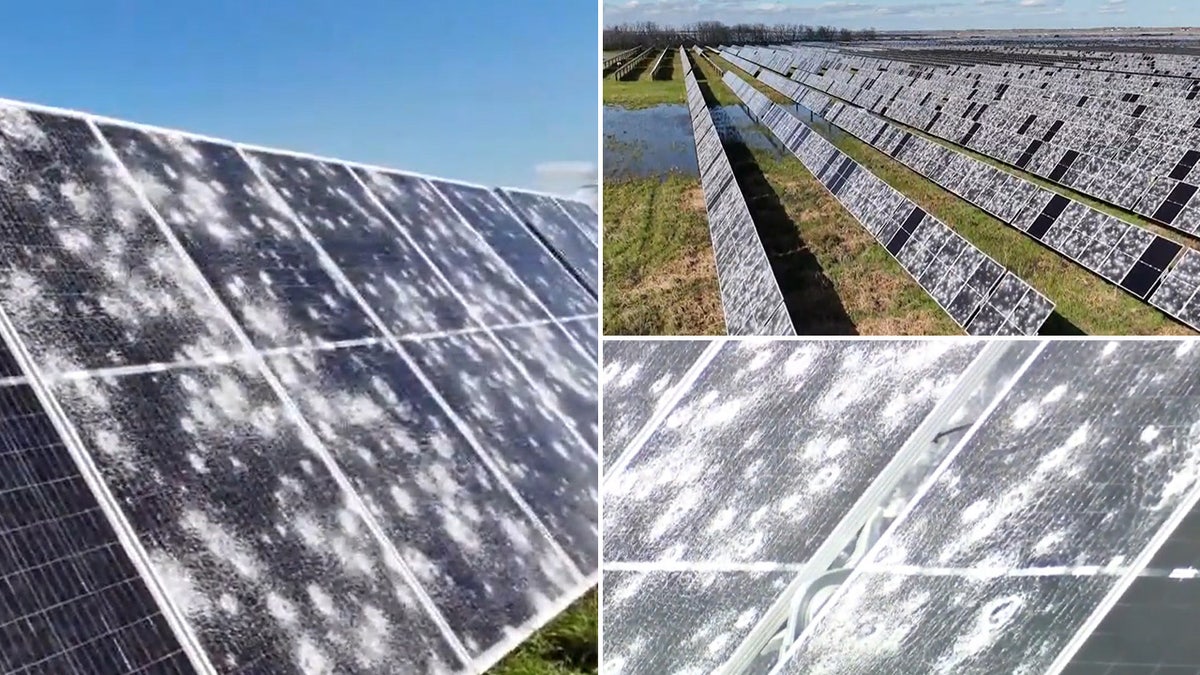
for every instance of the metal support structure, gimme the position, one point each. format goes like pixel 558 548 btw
pixel 866 521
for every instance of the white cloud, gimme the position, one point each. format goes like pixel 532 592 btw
pixel 566 169
pixel 1112 7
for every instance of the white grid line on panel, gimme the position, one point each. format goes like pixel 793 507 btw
pixel 232 357
pixel 122 528
pixel 294 413
pixel 459 424
pixel 669 400
pixel 909 507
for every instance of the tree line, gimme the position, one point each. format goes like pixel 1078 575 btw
pixel 648 33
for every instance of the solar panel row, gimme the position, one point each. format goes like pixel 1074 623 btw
pixel 1134 150
pixel 750 293
pixel 1134 258
pixel 975 290
pixel 341 418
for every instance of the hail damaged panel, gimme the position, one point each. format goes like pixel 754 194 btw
pixel 1033 523
pixel 771 446
pixel 636 378
pixel 529 258
pixel 386 269
pixel 246 529
pixel 484 562
pixel 553 471
pixel 497 295
pixel 242 237
pixel 563 376
pixel 681 623
pixel 86 276
pixel 559 232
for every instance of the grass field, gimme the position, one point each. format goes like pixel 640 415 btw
pixel 566 646
pixel 844 281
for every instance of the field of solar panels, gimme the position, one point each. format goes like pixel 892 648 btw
pixel 863 507
pixel 264 412
pixel 908 187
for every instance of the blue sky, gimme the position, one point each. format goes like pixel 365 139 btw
pixel 913 14
pixel 481 91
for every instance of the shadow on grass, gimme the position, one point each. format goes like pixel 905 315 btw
pixel 810 297
pixel 666 71
pixel 1058 324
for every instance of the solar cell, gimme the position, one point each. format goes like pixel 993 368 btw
pixel 391 273
pixel 85 275
pixel 474 269
pixel 552 469
pixel 241 237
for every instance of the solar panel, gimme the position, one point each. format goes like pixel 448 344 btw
pixel 731 487
pixel 1132 257
pixel 555 226
pixel 635 375
pixel 1057 495
pixel 1064 467
pixel 750 295
pixel 264 432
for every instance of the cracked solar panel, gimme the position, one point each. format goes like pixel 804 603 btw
pixel 750 295
pixel 584 216
pixel 85 274
pixel 383 266
pixel 71 600
pixel 493 292
pixel 552 469
pixel 732 475
pixel 486 563
pixel 552 283
pixel 240 234
pixel 253 539
pixel 652 626
pixel 1079 467
pixel 554 225
pixel 636 377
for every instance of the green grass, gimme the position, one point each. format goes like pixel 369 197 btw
pixel 645 92
pixel 568 645
pixel 660 276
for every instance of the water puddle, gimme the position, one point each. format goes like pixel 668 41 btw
pixel 658 141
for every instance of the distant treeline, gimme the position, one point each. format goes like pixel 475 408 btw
pixel 715 33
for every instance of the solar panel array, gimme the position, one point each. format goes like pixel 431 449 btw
pixel 1129 139
pixel 976 291
pixel 1132 257
pixel 265 411
pixel 1020 544
pixel 750 294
